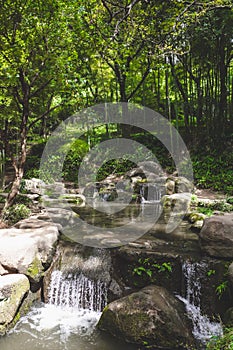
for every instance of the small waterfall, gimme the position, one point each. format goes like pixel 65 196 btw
pixel 76 290
pixel 150 193
pixel 203 328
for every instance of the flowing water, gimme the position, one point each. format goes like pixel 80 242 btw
pixel 203 327
pixel 151 193
pixel 78 294
pixel 68 321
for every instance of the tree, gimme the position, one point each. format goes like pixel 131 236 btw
pixel 33 36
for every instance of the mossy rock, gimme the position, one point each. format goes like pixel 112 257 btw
pixel 13 289
pixel 35 270
pixel 152 316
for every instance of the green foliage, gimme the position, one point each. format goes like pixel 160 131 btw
pixel 114 166
pixel 73 159
pixel 222 343
pixel 16 213
pixel 148 268
pixel 221 288
pixel 23 199
pixel 211 272
pixel 214 171
pixel 230 200
pixel 204 210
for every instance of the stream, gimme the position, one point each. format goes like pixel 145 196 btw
pixel 68 321
pixel 77 296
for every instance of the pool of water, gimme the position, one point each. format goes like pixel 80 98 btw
pixel 57 328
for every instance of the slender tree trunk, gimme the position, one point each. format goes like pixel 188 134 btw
pixel 20 162
pixel 18 165
pixel 222 112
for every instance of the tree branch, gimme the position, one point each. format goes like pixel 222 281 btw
pixel 40 88
pixel 43 115
pixel 147 71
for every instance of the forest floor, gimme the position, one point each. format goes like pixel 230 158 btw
pixel 209 194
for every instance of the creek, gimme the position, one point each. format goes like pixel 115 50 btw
pixel 78 292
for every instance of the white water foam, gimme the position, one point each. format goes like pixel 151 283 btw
pixel 77 290
pixel 74 308
pixel 203 328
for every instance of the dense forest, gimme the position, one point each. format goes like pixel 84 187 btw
pixel 175 57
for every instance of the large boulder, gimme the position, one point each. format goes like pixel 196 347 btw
pixel 216 236
pixel 150 316
pixel 13 290
pixel 28 249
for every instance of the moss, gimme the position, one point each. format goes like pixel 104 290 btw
pixel 12 307
pixel 35 269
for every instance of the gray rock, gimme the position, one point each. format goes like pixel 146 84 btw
pixel 152 315
pixel 170 186
pixel 178 202
pixel 216 236
pixel 230 274
pixel 151 167
pixel 228 317
pixel 33 185
pixel 183 185
pixel 13 289
pixel 28 250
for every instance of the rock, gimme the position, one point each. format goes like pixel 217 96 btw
pixel 170 186
pixel 216 236
pixel 13 289
pixel 34 223
pixel 179 202
pixel 54 190
pixel 230 274
pixel 75 199
pixel 196 219
pixel 28 250
pixel 151 167
pixel 33 185
pixel 108 192
pixel 62 216
pixel 228 317
pixel 152 316
pixel 183 185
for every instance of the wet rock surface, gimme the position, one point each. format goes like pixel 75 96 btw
pixel 216 236
pixel 150 316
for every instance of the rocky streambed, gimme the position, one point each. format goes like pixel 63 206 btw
pixel 144 278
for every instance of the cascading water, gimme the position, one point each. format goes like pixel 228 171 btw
pixel 76 297
pixel 150 193
pixel 77 291
pixel 203 328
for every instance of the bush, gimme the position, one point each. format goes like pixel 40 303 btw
pixel 73 159
pixel 224 342
pixel 16 213
pixel 214 170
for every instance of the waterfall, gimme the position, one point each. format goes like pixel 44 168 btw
pixel 77 290
pixel 203 328
pixel 150 193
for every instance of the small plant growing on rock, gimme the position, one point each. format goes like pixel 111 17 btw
pixel 221 288
pixel 149 268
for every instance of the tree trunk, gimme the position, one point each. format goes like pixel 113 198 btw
pixel 19 167
pixel 20 162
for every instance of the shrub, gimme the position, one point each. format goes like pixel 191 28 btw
pixel 16 213
pixel 224 342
